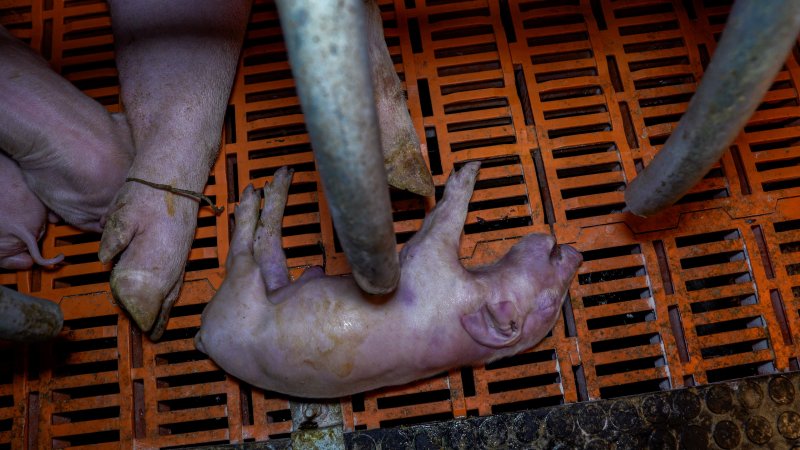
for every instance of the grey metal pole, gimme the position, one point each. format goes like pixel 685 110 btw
pixel 753 47
pixel 28 319
pixel 327 47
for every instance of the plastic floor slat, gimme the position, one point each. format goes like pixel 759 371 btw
pixel 564 104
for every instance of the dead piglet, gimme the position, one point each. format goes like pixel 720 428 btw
pixel 22 222
pixel 323 337
pixel 405 167
pixel 72 152
pixel 176 62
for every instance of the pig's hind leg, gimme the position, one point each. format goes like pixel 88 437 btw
pixel 441 230
pixel 246 217
pixel 267 248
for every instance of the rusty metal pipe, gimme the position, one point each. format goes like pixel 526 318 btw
pixel 753 47
pixel 327 46
pixel 28 319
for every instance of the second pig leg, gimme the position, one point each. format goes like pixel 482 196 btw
pixel 177 62
pixel 405 167
pixel 441 230
pixel 267 248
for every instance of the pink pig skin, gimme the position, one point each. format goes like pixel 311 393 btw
pixel 321 337
pixel 177 61
pixel 23 221
pixel 72 152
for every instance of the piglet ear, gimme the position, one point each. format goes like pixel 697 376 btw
pixel 495 325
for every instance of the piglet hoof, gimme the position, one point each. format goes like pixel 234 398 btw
pixel 460 183
pixel 153 230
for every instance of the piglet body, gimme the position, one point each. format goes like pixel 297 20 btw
pixel 72 152
pixel 23 223
pixel 322 337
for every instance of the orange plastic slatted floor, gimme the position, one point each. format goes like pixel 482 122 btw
pixel 564 102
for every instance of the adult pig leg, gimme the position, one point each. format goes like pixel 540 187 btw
pixel 268 248
pixel 405 167
pixel 74 155
pixel 177 61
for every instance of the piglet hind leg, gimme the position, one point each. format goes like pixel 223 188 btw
pixel 246 222
pixel 243 282
pixel 267 248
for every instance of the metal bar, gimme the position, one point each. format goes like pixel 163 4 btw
pixel 753 47
pixel 326 43
pixel 28 319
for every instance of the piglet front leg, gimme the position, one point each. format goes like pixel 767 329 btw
pixel 177 61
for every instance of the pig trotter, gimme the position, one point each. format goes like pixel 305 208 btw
pixel 146 280
pixel 261 237
pixel 28 319
pixel 246 216
pixel 177 62
pixel 405 167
